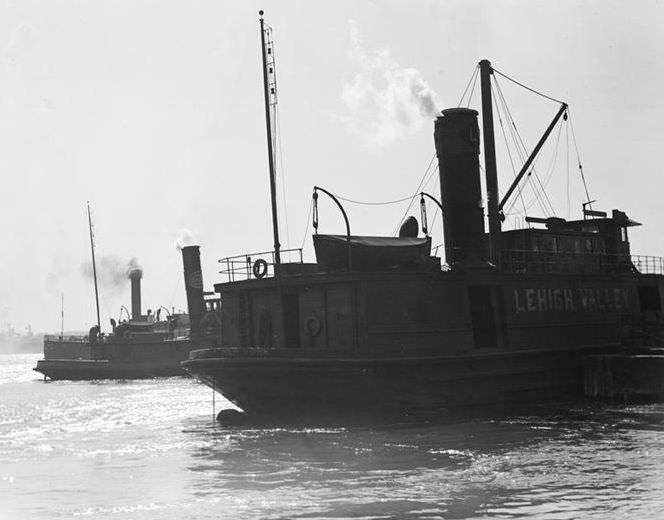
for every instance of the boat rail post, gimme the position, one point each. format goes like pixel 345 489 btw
pixel 423 205
pixel 343 213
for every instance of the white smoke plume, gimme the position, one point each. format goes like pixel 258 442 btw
pixel 133 266
pixel 112 271
pixel 186 237
pixel 386 101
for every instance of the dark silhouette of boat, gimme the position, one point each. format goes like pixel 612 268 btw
pixel 142 346
pixel 378 326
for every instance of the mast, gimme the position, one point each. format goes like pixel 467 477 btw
pixel 62 315
pixel 94 268
pixel 490 169
pixel 268 124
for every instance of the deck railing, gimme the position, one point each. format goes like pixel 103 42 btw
pixel 256 265
pixel 57 338
pixel 521 261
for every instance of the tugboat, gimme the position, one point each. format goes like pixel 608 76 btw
pixel 142 346
pixel 378 326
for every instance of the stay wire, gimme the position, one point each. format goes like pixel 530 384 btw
pixel 472 91
pixel 386 203
pixel 306 229
pixel 509 154
pixel 473 77
pixel 427 173
pixel 533 171
pixel 538 180
pixel 282 169
pixel 554 157
pixel 578 158
pixel 520 153
pixel 527 87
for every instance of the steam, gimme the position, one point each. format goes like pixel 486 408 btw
pixel 386 101
pixel 133 267
pixel 186 238
pixel 112 271
pixel 20 43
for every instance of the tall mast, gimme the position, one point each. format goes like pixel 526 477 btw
pixel 268 49
pixel 490 169
pixel 62 314
pixel 94 267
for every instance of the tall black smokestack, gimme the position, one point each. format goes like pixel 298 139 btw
pixel 193 283
pixel 457 138
pixel 135 276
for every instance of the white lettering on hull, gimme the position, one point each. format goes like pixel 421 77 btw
pixel 570 300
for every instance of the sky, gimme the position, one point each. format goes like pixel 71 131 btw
pixel 153 112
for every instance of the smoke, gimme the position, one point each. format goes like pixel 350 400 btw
pixel 112 271
pixel 134 267
pixel 186 238
pixel 386 101
pixel 20 43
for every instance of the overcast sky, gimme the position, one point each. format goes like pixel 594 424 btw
pixel 153 111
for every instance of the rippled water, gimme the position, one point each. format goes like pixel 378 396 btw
pixel 149 449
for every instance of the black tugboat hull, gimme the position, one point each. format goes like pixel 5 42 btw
pixel 86 369
pixel 324 388
pixel 113 360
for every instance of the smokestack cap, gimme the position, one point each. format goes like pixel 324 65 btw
pixel 459 111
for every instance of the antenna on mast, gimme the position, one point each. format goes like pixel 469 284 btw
pixel 270 92
pixel 94 269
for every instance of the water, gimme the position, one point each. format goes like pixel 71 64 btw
pixel 149 449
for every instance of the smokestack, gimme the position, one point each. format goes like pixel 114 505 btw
pixel 457 139
pixel 135 276
pixel 193 283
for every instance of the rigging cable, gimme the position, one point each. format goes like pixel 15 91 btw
pixel 554 158
pixel 527 88
pixel 532 170
pixel 472 91
pixel 306 229
pixel 578 158
pixel 427 173
pixel 521 155
pixel 473 78
pixel 509 154
pixel 281 170
pixel 386 203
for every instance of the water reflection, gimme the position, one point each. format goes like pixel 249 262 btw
pixel 567 463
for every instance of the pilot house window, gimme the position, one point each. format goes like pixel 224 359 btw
pixel 623 234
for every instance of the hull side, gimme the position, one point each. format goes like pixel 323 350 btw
pixel 114 360
pixel 309 387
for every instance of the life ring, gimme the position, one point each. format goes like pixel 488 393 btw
pixel 313 326
pixel 260 268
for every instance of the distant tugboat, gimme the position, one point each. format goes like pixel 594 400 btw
pixel 142 346
pixel 377 326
